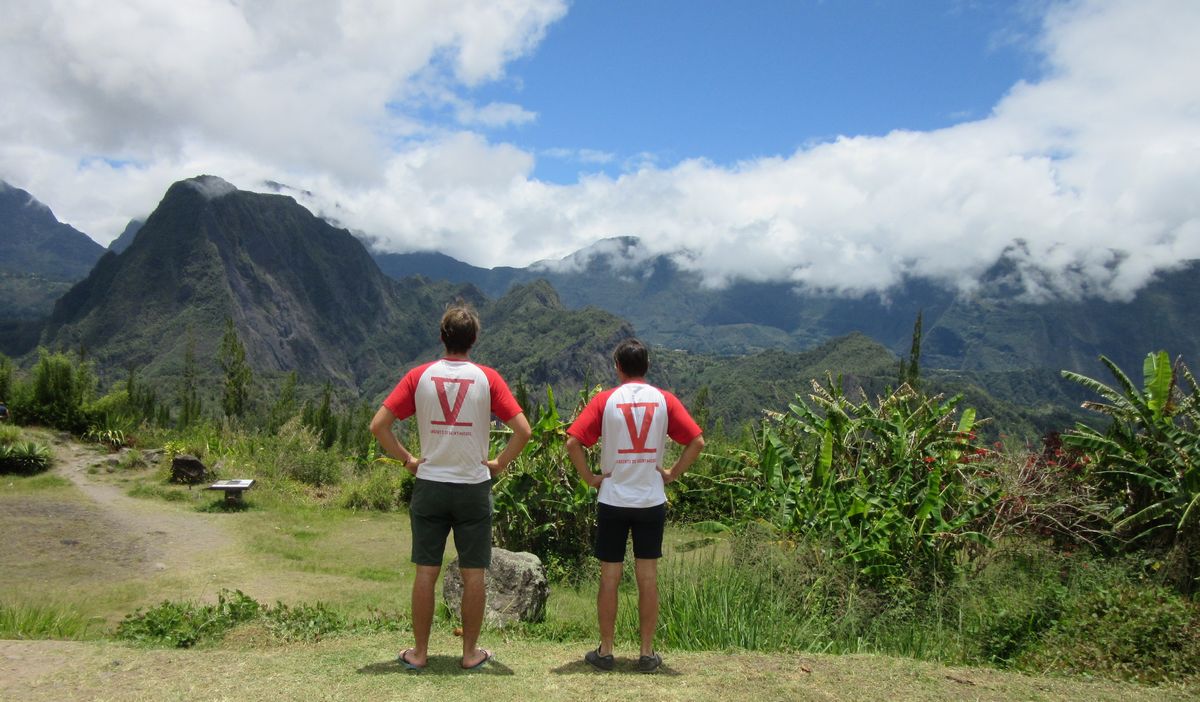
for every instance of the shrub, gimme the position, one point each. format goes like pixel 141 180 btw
pixel 1126 631
pixel 183 625
pixel 110 437
pixel 541 505
pixel 891 486
pixel 382 489
pixel 1146 458
pixel 312 468
pixel 24 458
pixel 304 622
pixel 9 434
pixel 1013 596
pixel 57 394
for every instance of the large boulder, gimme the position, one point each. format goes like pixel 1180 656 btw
pixel 516 588
pixel 187 469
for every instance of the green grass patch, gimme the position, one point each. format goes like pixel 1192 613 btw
pixel 379 575
pixel 43 621
pixel 17 484
pixel 158 491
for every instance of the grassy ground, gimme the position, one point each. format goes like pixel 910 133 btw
pixel 524 670
pixel 82 549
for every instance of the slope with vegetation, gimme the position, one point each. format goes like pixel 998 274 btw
pixel 844 524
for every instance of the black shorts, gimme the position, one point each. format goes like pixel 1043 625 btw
pixel 437 508
pixel 614 524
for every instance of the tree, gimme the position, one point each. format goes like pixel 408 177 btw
pixel 6 376
pixel 285 405
pixel 189 397
pixel 910 369
pixel 320 418
pixel 232 358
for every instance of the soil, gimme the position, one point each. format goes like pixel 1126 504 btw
pixel 99 531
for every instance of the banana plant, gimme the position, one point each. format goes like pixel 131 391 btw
pixel 881 480
pixel 1148 453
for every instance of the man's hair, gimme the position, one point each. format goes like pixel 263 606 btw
pixel 632 358
pixel 460 326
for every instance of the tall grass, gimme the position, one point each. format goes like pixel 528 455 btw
pixel 42 621
pixel 707 603
pixel 1021 608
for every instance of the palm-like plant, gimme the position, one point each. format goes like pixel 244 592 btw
pixel 885 481
pixel 1148 454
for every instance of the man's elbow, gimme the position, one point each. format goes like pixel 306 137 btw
pixel 381 423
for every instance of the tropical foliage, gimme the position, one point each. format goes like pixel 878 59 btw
pixel 1147 457
pixel 541 505
pixel 889 485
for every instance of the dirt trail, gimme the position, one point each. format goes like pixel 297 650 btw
pixel 86 543
pixel 171 539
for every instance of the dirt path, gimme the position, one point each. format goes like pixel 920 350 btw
pixel 166 537
pixel 102 552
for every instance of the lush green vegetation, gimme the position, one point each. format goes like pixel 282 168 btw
pixel 187 624
pixel 842 522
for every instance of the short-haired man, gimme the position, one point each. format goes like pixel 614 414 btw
pixel 634 420
pixel 453 400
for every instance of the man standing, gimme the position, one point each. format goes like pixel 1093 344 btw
pixel 634 420
pixel 453 401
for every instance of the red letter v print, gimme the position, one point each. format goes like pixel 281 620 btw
pixel 450 414
pixel 638 436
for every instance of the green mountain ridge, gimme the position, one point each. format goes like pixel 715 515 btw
pixel 302 295
pixel 990 331
pixel 306 296
pixel 39 256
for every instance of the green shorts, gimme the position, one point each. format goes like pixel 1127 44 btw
pixel 437 508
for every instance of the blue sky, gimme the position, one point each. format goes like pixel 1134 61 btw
pixel 840 146
pixel 729 81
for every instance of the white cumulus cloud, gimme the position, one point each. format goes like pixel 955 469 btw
pixel 1084 180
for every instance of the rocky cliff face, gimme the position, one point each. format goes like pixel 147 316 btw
pixel 302 294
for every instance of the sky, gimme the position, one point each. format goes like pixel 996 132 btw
pixel 843 146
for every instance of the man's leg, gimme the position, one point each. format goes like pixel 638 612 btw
pixel 424 585
pixel 473 599
pixel 473 539
pixel 606 604
pixel 646 570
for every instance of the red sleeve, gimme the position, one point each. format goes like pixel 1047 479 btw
pixel 402 401
pixel 504 405
pixel 587 425
pixel 680 425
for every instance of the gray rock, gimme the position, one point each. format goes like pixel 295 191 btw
pixel 516 588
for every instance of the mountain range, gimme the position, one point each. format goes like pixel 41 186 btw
pixel 992 330
pixel 305 295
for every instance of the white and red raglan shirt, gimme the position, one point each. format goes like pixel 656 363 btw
pixel 635 420
pixel 453 402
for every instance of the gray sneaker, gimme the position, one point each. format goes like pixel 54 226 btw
pixel 599 661
pixel 650 663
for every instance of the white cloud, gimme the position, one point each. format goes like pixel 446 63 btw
pixel 267 88
pixel 1085 180
pixel 495 114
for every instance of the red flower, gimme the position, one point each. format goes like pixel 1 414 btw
pixel 930 459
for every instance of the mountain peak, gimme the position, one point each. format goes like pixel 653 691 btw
pixel 33 241
pixel 210 186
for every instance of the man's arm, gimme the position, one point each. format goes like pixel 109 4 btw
pixel 516 443
pixel 686 458
pixel 381 427
pixel 579 459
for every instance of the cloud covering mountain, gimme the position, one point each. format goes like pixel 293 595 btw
pixel 1081 182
